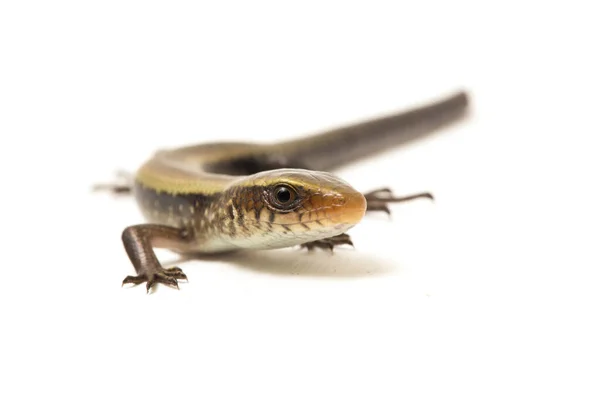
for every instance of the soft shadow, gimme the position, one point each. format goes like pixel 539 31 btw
pixel 342 263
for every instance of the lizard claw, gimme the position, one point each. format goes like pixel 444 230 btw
pixel 167 277
pixel 329 243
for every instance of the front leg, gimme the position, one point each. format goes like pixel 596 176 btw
pixel 377 200
pixel 329 243
pixel 139 241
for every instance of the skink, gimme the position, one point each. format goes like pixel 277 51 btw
pixel 221 197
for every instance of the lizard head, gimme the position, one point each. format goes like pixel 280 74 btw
pixel 285 207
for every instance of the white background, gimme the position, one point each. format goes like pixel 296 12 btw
pixel 490 292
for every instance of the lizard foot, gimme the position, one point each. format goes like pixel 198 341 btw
pixel 378 200
pixel 166 276
pixel 123 184
pixel 328 243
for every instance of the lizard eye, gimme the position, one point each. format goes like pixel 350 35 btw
pixel 283 197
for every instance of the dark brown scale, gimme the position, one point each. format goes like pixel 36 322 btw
pixel 180 204
pixel 241 221
pixel 232 229
pixel 238 209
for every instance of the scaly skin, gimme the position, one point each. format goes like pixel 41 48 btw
pixel 220 197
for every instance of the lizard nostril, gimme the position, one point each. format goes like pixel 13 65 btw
pixel 351 210
pixel 338 200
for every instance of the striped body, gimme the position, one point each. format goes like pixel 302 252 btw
pixel 223 195
pixel 237 217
